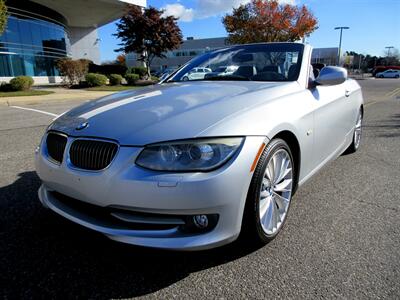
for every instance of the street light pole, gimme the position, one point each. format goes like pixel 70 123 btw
pixel 340 41
pixel 389 47
pixel 388 56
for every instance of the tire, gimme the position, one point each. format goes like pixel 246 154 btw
pixel 380 76
pixel 397 76
pixel 355 144
pixel 185 78
pixel 256 226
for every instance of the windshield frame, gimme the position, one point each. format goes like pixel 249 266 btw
pixel 275 47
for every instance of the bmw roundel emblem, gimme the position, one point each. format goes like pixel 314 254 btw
pixel 82 126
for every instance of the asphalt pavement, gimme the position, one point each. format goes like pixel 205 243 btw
pixel 341 240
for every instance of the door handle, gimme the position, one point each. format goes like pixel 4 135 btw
pixel 347 93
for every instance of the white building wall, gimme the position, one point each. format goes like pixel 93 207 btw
pixel 85 43
pixel 142 3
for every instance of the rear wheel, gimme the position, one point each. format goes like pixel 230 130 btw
pixel 270 193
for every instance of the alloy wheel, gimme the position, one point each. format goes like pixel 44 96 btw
pixel 358 131
pixel 276 192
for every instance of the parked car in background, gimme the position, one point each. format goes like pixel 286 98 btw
pixel 388 74
pixel 157 73
pixel 164 76
pixel 166 73
pixel 380 69
pixel 221 71
pixel 191 165
pixel 196 74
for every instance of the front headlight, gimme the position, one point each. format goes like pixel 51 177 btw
pixel 189 155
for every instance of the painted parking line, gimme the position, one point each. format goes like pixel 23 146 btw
pixel 387 96
pixel 393 93
pixel 371 103
pixel 396 92
pixel 35 110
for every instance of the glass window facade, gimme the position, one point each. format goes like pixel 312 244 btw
pixel 31 44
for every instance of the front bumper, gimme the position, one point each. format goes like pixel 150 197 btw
pixel 124 185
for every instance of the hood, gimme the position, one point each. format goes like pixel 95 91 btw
pixel 168 111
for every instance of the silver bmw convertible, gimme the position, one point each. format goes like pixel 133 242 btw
pixel 194 164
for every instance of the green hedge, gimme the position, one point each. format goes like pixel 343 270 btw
pixel 93 79
pixel 141 71
pixel 132 78
pixel 115 79
pixel 21 83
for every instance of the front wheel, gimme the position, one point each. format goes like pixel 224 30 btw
pixel 270 193
pixel 356 135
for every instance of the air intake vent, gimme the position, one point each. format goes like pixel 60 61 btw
pixel 56 146
pixel 92 155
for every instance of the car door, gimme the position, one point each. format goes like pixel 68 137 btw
pixel 196 74
pixel 331 120
pixel 202 73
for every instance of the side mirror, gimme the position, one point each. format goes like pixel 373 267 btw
pixel 331 76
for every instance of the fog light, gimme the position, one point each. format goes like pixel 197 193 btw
pixel 201 221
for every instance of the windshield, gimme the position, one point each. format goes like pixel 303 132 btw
pixel 258 62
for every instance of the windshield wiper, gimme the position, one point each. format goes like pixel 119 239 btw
pixel 228 77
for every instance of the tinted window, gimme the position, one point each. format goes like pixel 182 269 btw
pixel 31 46
pixel 220 69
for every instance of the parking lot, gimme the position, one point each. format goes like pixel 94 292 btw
pixel 341 240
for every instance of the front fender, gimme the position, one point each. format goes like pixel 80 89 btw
pixel 293 112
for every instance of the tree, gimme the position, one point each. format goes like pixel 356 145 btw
pixel 367 62
pixel 268 21
pixel 3 16
pixel 359 60
pixel 73 70
pixel 121 59
pixel 148 34
pixel 392 56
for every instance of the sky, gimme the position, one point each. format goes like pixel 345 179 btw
pixel 374 24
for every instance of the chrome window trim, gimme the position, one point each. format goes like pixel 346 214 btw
pixel 34 47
